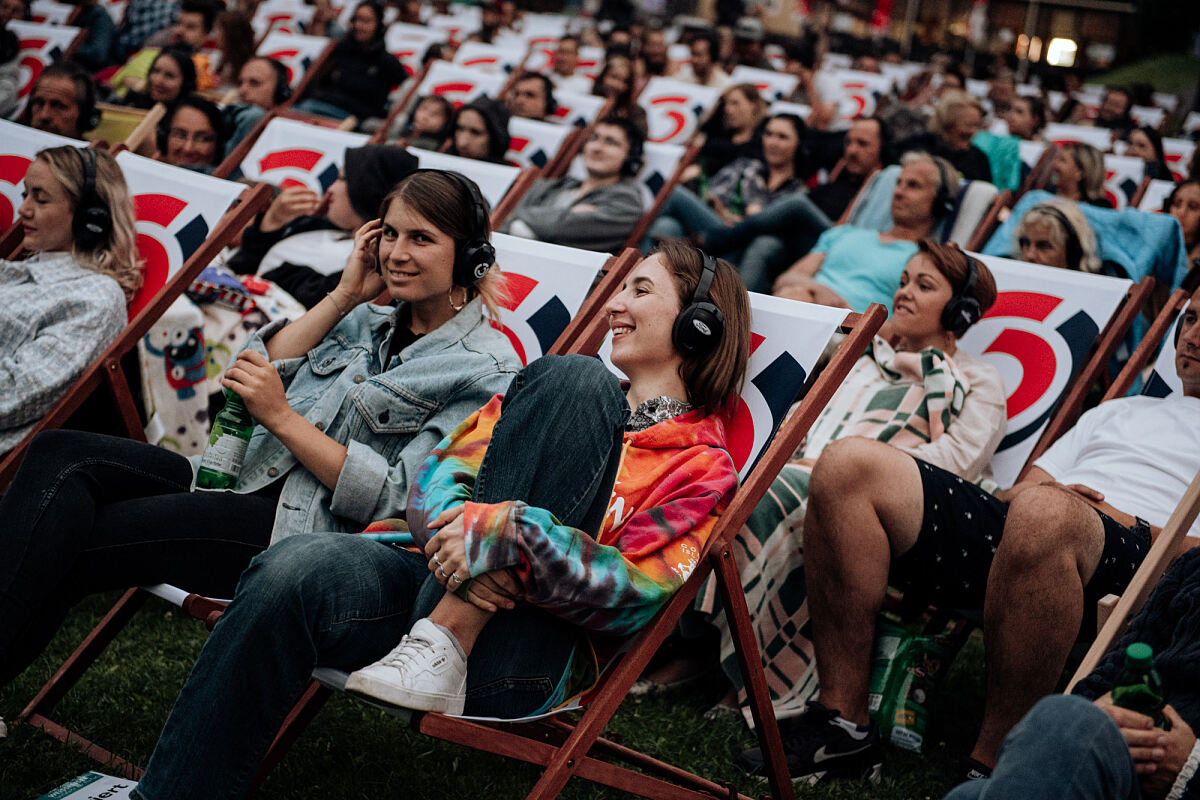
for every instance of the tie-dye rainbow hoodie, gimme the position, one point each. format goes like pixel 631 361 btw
pixel 674 481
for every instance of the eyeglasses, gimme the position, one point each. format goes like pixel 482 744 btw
pixel 180 136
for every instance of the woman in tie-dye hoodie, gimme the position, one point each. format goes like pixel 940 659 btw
pixel 556 520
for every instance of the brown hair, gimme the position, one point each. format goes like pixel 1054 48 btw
pixel 444 201
pixel 952 263
pixel 714 378
pixel 116 256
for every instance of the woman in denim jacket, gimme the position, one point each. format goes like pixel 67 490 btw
pixel 348 400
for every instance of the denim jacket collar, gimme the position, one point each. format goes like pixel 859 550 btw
pixel 448 334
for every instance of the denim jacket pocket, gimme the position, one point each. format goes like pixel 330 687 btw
pixel 331 356
pixel 387 409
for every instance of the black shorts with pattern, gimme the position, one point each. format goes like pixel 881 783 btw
pixel 963 526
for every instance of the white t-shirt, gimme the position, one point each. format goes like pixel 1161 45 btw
pixel 1140 452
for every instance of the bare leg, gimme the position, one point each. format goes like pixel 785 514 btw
pixel 1051 546
pixel 462 619
pixel 865 509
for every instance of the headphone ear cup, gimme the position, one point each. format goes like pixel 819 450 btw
pixel 960 314
pixel 473 261
pixel 698 328
pixel 90 227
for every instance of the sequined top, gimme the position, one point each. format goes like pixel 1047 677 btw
pixel 655 410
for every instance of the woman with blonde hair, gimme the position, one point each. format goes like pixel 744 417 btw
pixel 64 305
pixel 1056 234
pixel 1079 174
pixel 957 117
pixel 348 402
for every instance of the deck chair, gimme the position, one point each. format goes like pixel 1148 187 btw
pixel 674 109
pixel 1148 115
pixel 493 58
pixel 497 182
pixel 534 143
pixel 858 93
pixel 1154 196
pixel 293 153
pixel 281 17
pixel 1123 178
pixel 18 145
pixel 1061 133
pixel 788 338
pixel 1050 334
pixel 52 13
pixel 459 84
pixel 773 86
pixel 1001 205
pixel 580 110
pixel 132 127
pixel 302 56
pixel 545 278
pixel 408 44
pixel 872 207
pixel 1177 152
pixel 41 44
pixel 177 237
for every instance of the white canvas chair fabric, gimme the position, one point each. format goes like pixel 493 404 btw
pixel 295 51
pixel 1123 176
pixel 674 109
pixel 176 209
pixel 41 44
pixel 494 180
pixel 408 44
pixel 534 143
pixel 18 145
pixel 576 109
pixel 459 84
pixel 856 93
pixel 773 86
pixel 1059 132
pixel 1029 152
pixel 492 58
pixel 51 13
pixel 1155 195
pixel 283 16
pixel 1178 153
pixel 294 153
pixel 1164 380
pixel 658 165
pixel 1038 335
pixel 546 285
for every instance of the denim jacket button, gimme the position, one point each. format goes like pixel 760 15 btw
pixel 359 378
pixel 272 472
pixel 327 362
pixel 384 416
pixel 320 426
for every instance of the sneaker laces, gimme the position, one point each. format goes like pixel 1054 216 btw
pixel 407 652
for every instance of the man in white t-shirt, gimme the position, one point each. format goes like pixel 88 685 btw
pixel 1034 556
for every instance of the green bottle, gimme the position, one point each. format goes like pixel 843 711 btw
pixel 1139 688
pixel 737 203
pixel 221 464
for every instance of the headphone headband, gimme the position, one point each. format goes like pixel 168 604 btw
pixel 700 326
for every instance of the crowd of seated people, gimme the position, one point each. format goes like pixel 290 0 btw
pixel 864 501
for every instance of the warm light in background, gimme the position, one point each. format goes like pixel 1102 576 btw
pixel 1061 53
pixel 1035 49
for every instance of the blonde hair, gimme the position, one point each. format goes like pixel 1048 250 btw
pixel 116 256
pixel 1091 163
pixel 949 107
pixel 1052 214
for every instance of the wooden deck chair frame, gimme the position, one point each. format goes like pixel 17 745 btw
pixel 238 154
pixel 1039 176
pixel 310 76
pixel 209 611
pixel 106 370
pixel 144 133
pixel 660 198
pixel 1093 368
pixel 991 220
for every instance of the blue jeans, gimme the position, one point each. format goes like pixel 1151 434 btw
pixel 311 106
pixel 335 600
pixel 683 213
pixel 1065 748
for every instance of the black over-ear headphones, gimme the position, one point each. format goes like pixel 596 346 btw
pixel 701 324
pixel 474 257
pixel 943 203
pixel 92 222
pixel 963 309
pixel 283 89
pixel 1074 245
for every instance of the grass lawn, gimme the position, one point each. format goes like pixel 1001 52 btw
pixel 1169 72
pixel 355 751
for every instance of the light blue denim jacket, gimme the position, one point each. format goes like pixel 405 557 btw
pixel 389 419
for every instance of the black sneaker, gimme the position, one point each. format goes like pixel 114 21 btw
pixel 817 748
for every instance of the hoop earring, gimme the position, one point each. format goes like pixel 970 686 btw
pixel 450 297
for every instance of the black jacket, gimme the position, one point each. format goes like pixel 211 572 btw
pixel 358 79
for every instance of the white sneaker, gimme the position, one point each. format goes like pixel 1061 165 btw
pixel 426 672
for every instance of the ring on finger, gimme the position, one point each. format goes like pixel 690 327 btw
pixel 454 577
pixel 441 573
pixel 437 560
